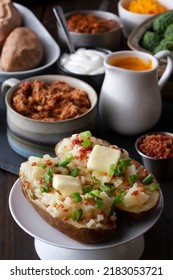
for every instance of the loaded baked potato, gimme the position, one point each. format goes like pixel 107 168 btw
pixel 80 191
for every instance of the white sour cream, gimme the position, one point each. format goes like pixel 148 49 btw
pixel 84 61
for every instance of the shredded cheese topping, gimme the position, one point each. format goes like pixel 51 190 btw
pixel 146 7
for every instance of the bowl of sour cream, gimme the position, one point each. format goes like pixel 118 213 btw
pixel 86 64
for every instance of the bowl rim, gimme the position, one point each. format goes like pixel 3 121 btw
pixel 136 35
pixel 129 13
pixel 106 51
pixel 45 38
pixel 11 91
pixel 99 13
pixel 147 16
pixel 151 133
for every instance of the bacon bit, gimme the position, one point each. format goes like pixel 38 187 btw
pixel 65 210
pixel 49 184
pixel 142 173
pixel 60 206
pixel 41 181
pixel 135 163
pixel 65 219
pixel 135 193
pixel 157 145
pixel 102 212
pixel 126 185
pixel 76 141
pixel 141 186
pixel 26 184
pixel 34 163
pixel 83 152
pixel 48 162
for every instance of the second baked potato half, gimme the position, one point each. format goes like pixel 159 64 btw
pixel 80 191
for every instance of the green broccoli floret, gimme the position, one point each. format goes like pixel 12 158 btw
pixel 169 33
pixel 150 40
pixel 162 21
pixel 164 45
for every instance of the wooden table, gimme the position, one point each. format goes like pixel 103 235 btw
pixel 15 244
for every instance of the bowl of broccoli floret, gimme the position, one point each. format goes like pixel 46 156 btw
pixel 153 35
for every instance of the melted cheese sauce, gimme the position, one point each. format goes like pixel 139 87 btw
pixel 132 63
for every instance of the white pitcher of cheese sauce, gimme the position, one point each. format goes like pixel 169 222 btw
pixel 130 99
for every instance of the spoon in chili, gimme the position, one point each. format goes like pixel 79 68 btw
pixel 59 14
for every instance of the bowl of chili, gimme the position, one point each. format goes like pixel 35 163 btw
pixel 156 152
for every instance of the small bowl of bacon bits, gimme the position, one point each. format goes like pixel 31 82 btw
pixel 91 28
pixel 156 152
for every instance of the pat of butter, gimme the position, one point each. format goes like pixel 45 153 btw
pixel 66 184
pixel 102 157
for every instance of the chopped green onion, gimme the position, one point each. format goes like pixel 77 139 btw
pixel 119 170
pixel 74 172
pixel 76 196
pixel 108 188
pixel 124 162
pixel 93 194
pixel 42 165
pixel 132 179
pixel 119 197
pixel 86 143
pixel 95 181
pixel 77 214
pixel 153 186
pixel 65 162
pixel 85 134
pixel 48 176
pixel 86 189
pixel 112 169
pixel 44 188
pixel 99 202
pixel 148 179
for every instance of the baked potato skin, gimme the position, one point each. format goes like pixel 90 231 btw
pixel 137 199
pixel 144 211
pixel 137 212
pixel 84 235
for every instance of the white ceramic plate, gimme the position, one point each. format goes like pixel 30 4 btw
pixel 51 48
pixel 30 221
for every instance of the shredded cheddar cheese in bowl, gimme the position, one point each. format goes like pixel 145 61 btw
pixel 146 7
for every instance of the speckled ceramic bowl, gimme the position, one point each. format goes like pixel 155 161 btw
pixel 34 137
pixel 108 40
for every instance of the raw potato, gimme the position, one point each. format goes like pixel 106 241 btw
pixel 10 18
pixel 21 51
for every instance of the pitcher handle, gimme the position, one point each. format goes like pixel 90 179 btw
pixel 169 67
pixel 7 84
